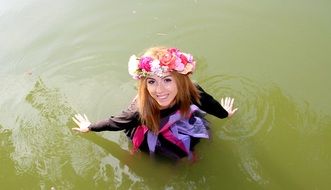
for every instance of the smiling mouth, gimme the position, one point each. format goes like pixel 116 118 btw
pixel 162 97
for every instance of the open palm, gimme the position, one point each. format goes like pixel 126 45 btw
pixel 83 123
pixel 227 104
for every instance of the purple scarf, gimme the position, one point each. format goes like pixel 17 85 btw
pixel 177 130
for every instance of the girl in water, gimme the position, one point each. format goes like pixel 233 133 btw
pixel 167 115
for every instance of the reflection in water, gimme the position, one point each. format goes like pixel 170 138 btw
pixel 44 147
pixel 6 166
pixel 250 165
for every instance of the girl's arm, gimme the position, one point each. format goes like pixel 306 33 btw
pixel 213 107
pixel 128 119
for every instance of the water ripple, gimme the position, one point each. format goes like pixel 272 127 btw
pixel 256 113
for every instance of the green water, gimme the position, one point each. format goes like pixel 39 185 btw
pixel 62 57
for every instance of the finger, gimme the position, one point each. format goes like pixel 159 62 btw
pixel 227 101
pixel 80 117
pixel 231 103
pixel 232 100
pixel 76 129
pixel 76 121
pixel 86 119
pixel 233 111
pixel 222 101
pixel 77 116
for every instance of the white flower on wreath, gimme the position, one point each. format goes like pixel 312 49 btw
pixel 155 66
pixel 133 65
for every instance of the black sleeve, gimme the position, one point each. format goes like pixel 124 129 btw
pixel 210 105
pixel 128 119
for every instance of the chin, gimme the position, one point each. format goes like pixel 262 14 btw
pixel 164 105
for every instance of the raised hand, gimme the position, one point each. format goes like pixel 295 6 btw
pixel 227 104
pixel 83 123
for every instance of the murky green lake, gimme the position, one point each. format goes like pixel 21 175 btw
pixel 62 57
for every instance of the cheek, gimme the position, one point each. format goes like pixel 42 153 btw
pixel 173 88
pixel 150 89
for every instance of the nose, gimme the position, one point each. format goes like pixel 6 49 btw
pixel 159 87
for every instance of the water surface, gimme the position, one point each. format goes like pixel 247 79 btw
pixel 62 57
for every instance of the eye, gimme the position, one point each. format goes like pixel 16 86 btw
pixel 150 81
pixel 167 79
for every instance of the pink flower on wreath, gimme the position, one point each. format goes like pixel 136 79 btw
pixel 173 60
pixel 168 60
pixel 173 50
pixel 179 66
pixel 145 63
pixel 183 58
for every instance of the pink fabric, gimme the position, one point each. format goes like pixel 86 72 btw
pixel 138 136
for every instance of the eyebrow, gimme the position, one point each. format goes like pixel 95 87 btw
pixel 162 77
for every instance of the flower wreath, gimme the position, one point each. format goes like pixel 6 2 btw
pixel 173 60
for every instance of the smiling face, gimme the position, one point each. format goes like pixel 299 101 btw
pixel 162 89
